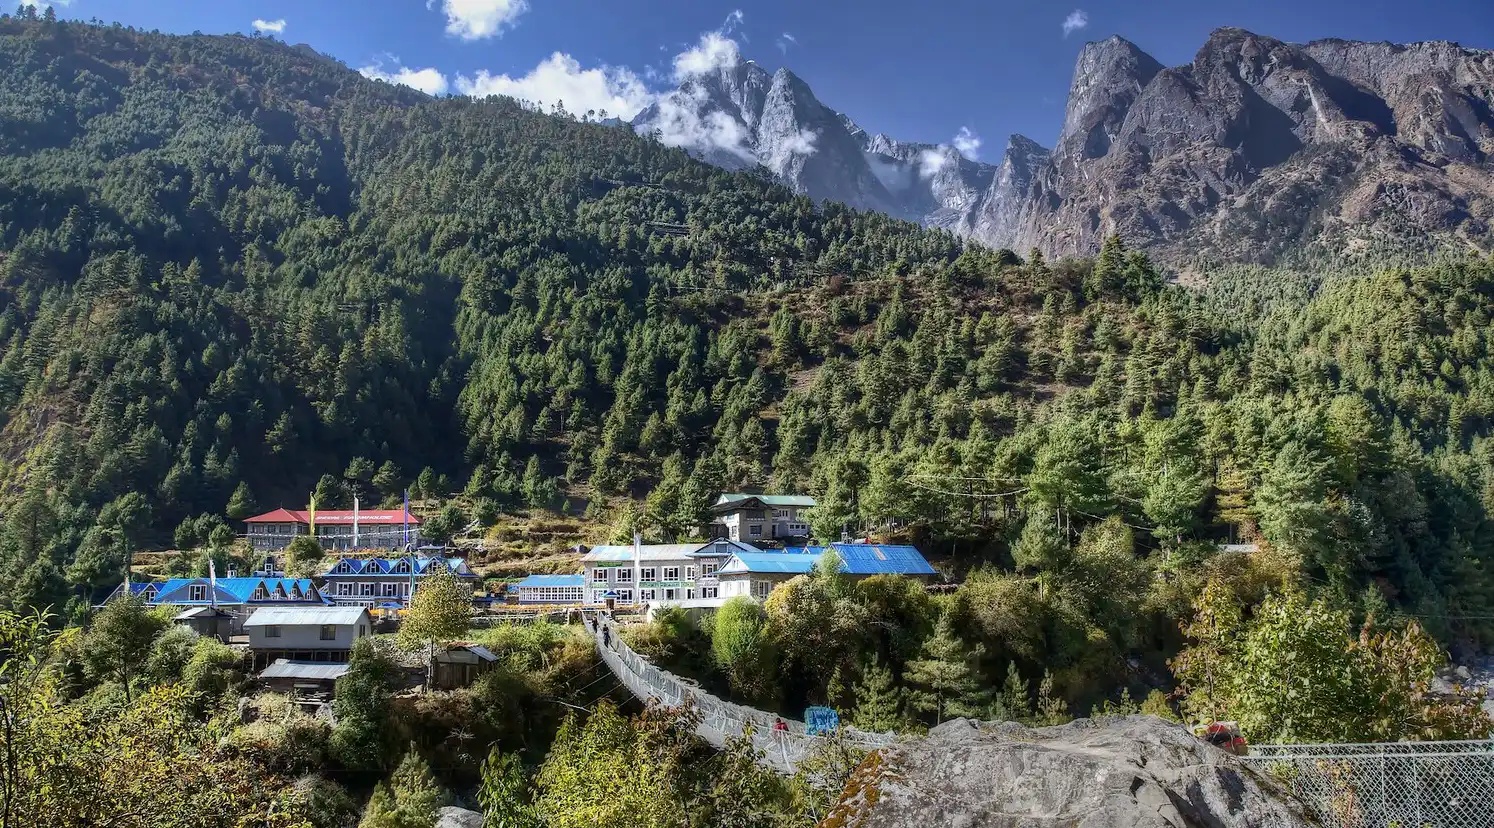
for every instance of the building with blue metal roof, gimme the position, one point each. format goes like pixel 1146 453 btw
pixel 552 589
pixel 757 573
pixel 237 596
pixel 368 582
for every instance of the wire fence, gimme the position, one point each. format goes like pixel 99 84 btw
pixel 781 748
pixel 1387 785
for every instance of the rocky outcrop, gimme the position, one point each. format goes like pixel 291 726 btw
pixel 738 115
pixel 453 817
pixel 1259 147
pixel 1255 150
pixel 1132 772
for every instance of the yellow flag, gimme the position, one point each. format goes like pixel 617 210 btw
pixel 311 513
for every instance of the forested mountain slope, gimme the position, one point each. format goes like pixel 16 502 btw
pixel 227 261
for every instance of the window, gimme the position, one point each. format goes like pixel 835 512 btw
pixel 670 594
pixel 689 595
pixel 390 590
pixel 362 630
pixel 272 631
pixel 599 574
pixel 343 568
pixel 649 574
pixel 689 573
pixel 197 592
pixel 671 573
pixel 366 590
pixel 780 513
pixel 625 576
pixel 708 568
pixel 646 594
pixel 260 593
pixel 708 592
pixel 402 568
pixel 344 589
pixel 760 589
pixel 625 596
pixel 329 632
pixel 755 530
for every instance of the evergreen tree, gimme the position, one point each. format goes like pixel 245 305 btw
pixel 941 681
pixel 242 504
pixel 879 700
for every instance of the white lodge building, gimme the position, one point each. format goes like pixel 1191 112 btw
pixel 657 573
pixel 755 518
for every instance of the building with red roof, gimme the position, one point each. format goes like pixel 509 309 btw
pixel 335 528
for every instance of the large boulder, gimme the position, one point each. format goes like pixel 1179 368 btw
pixel 453 817
pixel 1122 772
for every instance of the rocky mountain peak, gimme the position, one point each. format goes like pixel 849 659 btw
pixel 1108 76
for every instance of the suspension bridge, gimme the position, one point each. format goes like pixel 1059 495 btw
pixel 1383 785
pixel 781 747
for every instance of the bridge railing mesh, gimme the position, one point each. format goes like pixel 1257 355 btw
pixel 721 720
pixel 1387 785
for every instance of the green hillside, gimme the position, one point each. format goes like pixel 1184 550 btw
pixel 229 265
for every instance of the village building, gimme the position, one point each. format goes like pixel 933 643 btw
pixel 756 574
pixel 552 589
pixel 305 634
pixel 238 597
pixel 337 529
pixel 371 582
pixel 656 573
pixel 303 679
pixel 757 518
pixel 460 665
pixel 208 622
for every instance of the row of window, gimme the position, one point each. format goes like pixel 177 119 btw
pixel 401 568
pixel 199 592
pixel 328 631
pixel 650 573
pixel 625 596
pixel 368 590
pixel 566 595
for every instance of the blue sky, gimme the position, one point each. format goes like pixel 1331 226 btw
pixel 920 70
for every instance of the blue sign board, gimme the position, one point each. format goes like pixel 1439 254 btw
pixel 819 720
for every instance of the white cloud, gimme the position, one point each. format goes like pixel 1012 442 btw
pixel 679 123
pixel 800 144
pixel 786 40
pixel 966 143
pixel 272 26
pixel 931 161
pixel 1076 20
pixel 714 51
pixel 478 19
pixel 42 5
pixel 560 78
pixel 732 21
pixel 430 81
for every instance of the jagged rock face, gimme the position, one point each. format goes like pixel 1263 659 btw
pixel 1254 150
pixel 1133 772
pixel 1260 147
pixel 1011 187
pixel 738 116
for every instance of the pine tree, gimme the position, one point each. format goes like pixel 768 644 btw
pixel 1051 709
pixel 1013 700
pixel 942 682
pixel 879 701
pixel 242 504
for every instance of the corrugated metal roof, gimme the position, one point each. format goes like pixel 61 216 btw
pixel 767 500
pixel 201 612
pixel 646 552
pixel 855 559
pixel 338 516
pixel 312 671
pixel 303 616
pixel 777 562
pixel 553 581
pixel 874 558
pixel 386 566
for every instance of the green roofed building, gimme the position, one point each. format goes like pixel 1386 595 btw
pixel 755 518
